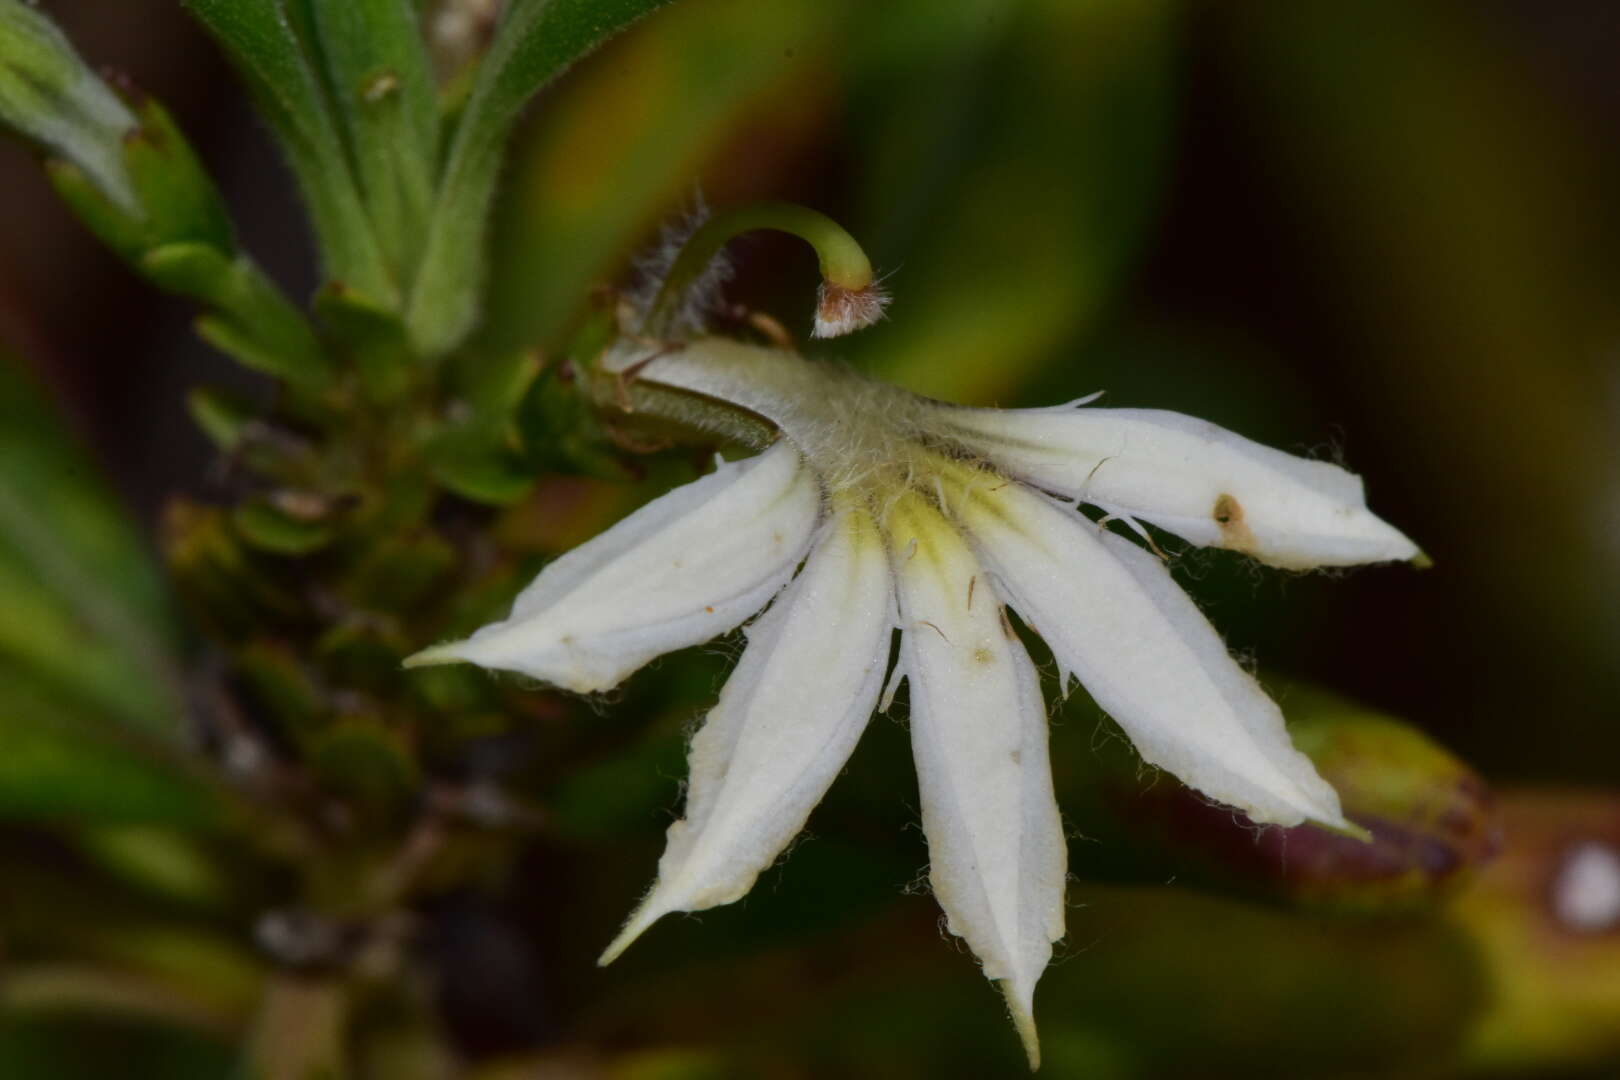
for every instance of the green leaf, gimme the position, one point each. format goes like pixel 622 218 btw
pixel 536 42
pixel 63 1044
pixel 51 98
pixel 268 52
pixel 161 862
pixel 269 528
pixel 173 199
pixel 62 761
pixel 93 720
pixel 494 475
pixel 251 322
pixel 221 415
pixel 84 610
pixel 384 89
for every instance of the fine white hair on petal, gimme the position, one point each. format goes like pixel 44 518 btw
pixel 1207 485
pixel 1113 615
pixel 786 722
pixel 690 565
pixel 997 856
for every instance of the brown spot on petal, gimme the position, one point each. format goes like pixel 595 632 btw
pixel 981 655
pixel 1235 534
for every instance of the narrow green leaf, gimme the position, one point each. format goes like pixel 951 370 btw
pixel 270 529
pixel 491 475
pixel 536 42
pixel 161 862
pixel 220 415
pixel 265 48
pixel 62 761
pixel 251 321
pixel 383 85
pixel 50 97
pixel 83 608
pixel 92 722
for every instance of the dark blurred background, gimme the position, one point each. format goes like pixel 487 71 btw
pixel 1380 232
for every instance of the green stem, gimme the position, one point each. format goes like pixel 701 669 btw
pixel 843 263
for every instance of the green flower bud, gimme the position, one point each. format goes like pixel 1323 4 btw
pixel 1427 816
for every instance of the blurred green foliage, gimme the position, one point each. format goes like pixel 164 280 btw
pixel 243 839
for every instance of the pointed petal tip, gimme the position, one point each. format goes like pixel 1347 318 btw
pixel 1345 827
pixel 1021 1004
pixel 448 653
pixel 638 923
pixel 1421 561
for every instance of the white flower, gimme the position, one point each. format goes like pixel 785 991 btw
pixel 928 518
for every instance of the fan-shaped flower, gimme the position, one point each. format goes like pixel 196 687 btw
pixel 874 510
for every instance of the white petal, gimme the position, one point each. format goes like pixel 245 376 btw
pixel 997 856
pixel 785 724
pixel 1113 616
pixel 1207 485
pixel 688 566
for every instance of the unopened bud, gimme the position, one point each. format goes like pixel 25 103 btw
pixel 1427 817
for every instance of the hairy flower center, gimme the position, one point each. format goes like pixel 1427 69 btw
pixel 868 442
